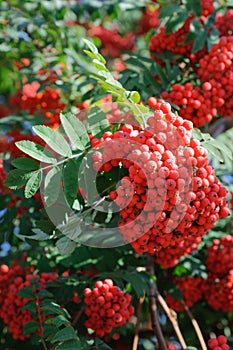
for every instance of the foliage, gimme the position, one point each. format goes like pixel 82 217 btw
pixel 73 75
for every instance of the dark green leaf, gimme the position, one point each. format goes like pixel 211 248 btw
pixel 17 178
pixel 25 163
pixel 30 327
pixel 69 345
pixel 168 10
pixel 70 180
pixel 26 292
pixel 176 22
pixel 199 41
pixel 67 333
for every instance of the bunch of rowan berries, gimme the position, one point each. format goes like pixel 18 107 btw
pixel 219 343
pixel 191 290
pixel 113 44
pixel 219 258
pixel 107 307
pixel 169 257
pixel 46 103
pixel 167 195
pixel 198 104
pixel 176 42
pixel 217 64
pixel 220 274
pixel 224 23
pixel 12 280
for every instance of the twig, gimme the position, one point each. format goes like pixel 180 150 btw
pixel 153 306
pixel 77 317
pixel 173 320
pixel 136 334
pixel 40 322
pixel 195 326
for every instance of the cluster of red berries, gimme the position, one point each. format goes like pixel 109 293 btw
pixel 198 104
pixel 149 20
pixel 224 23
pixel 219 343
pixel 173 42
pixel 176 42
pixel 107 307
pixel 113 44
pixel 219 262
pixel 169 257
pixel 45 103
pixel 219 258
pixel 12 280
pixel 191 292
pixel 166 197
pixel 216 70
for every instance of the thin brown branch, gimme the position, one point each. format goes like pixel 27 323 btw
pixel 153 298
pixel 195 326
pixel 137 326
pixel 40 322
pixel 77 317
pixel 173 320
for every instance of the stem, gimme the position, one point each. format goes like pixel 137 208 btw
pixel 136 334
pixel 195 326
pixel 173 320
pixel 153 298
pixel 77 317
pixel 40 323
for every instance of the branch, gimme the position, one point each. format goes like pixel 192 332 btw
pixel 195 326
pixel 77 317
pixel 136 334
pixel 40 322
pixel 172 319
pixel 153 298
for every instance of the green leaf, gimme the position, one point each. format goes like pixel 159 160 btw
pixel 44 293
pixel 194 6
pixel 67 333
pixel 58 321
pixel 75 130
pixel 52 185
pixel 65 245
pixel 33 184
pixel 134 96
pixel 39 235
pixel 54 140
pixel 70 180
pixel 176 22
pixel 139 282
pixel 97 121
pixel 101 345
pixel 26 292
pixel 199 41
pixel 36 151
pixel 168 10
pixel 30 327
pixel 30 306
pixel 69 345
pixel 17 178
pixel 91 46
pixel 54 308
pixel 25 164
